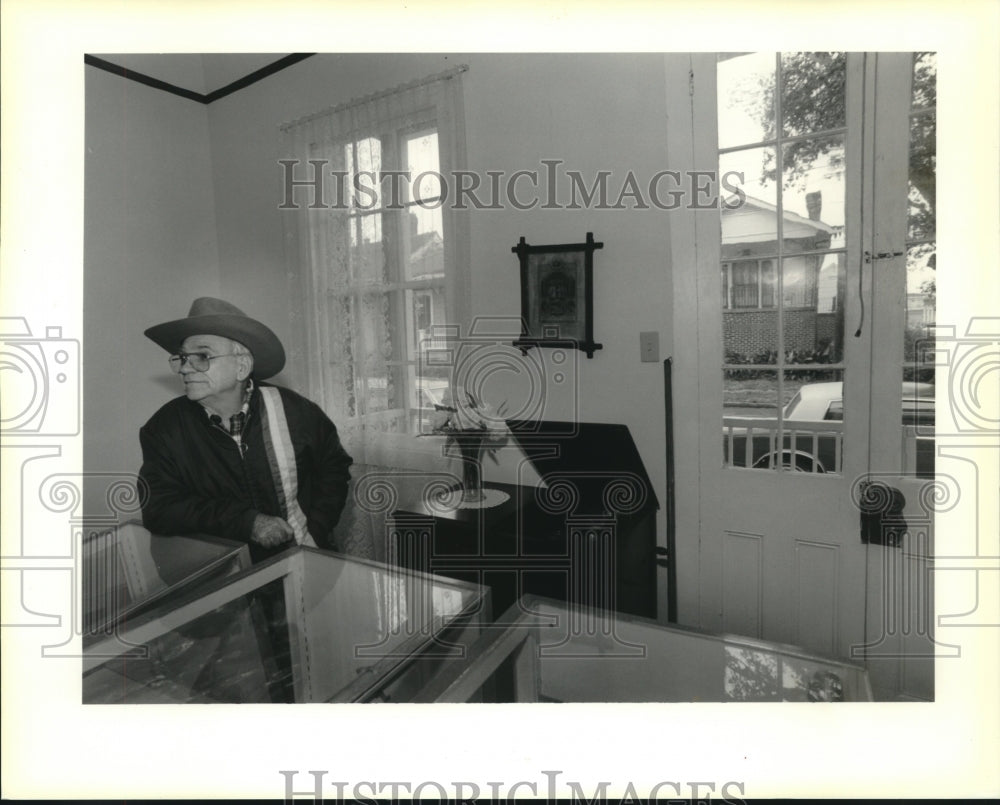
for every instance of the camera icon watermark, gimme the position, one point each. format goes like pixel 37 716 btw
pixel 41 381
pixel 531 387
pixel 972 367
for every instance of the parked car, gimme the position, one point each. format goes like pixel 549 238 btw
pixel 813 435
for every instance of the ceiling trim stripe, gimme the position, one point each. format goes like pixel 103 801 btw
pixel 222 92
pixel 257 75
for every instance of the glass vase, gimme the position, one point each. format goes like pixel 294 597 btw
pixel 471 448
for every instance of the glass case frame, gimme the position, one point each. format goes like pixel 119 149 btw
pixel 400 628
pixel 128 570
pixel 553 651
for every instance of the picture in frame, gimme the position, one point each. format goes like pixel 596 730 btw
pixel 557 295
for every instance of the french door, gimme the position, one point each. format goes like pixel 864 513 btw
pixel 807 387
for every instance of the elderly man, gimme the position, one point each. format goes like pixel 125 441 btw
pixel 235 456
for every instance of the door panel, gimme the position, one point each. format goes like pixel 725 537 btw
pixel 821 300
pixel 743 583
pixel 780 554
pixel 817 595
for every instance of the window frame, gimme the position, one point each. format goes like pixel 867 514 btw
pixel 391 216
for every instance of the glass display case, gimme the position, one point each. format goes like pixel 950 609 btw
pixel 127 570
pixel 304 626
pixel 549 650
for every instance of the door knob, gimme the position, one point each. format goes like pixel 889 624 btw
pixel 882 521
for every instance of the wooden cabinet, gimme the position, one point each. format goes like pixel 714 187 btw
pixel 588 536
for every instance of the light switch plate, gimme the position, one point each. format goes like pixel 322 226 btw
pixel 649 346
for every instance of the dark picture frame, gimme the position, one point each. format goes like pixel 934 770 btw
pixel 557 295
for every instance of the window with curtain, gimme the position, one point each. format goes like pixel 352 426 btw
pixel 379 253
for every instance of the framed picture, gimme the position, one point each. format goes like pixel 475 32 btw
pixel 557 295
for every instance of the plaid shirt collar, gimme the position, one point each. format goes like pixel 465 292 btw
pixel 238 421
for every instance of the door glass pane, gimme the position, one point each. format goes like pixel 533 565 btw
pixel 920 301
pixel 752 227
pixel 825 343
pixel 750 411
pixel 745 98
pixel 813 92
pixel 813 198
pixel 813 288
pixel 783 278
pixel 749 326
pixel 917 414
pixel 813 420
pixel 798 286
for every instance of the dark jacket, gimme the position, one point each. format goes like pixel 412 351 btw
pixel 197 481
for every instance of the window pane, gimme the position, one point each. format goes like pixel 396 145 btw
pixel 368 252
pixel 746 286
pixel 427 392
pixel 424 165
pixel 813 194
pixel 363 164
pixel 382 390
pixel 381 381
pixel 752 228
pixel 425 311
pixel 376 329
pixel 745 98
pixel 423 243
pixel 813 92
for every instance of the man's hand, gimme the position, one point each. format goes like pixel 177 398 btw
pixel 271 531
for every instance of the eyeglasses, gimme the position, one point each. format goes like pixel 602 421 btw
pixel 199 361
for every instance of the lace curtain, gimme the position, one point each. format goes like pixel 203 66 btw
pixel 375 261
pixel 354 255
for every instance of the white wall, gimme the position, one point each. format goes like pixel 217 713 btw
pixel 149 250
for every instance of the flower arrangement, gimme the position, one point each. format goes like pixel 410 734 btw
pixel 462 417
